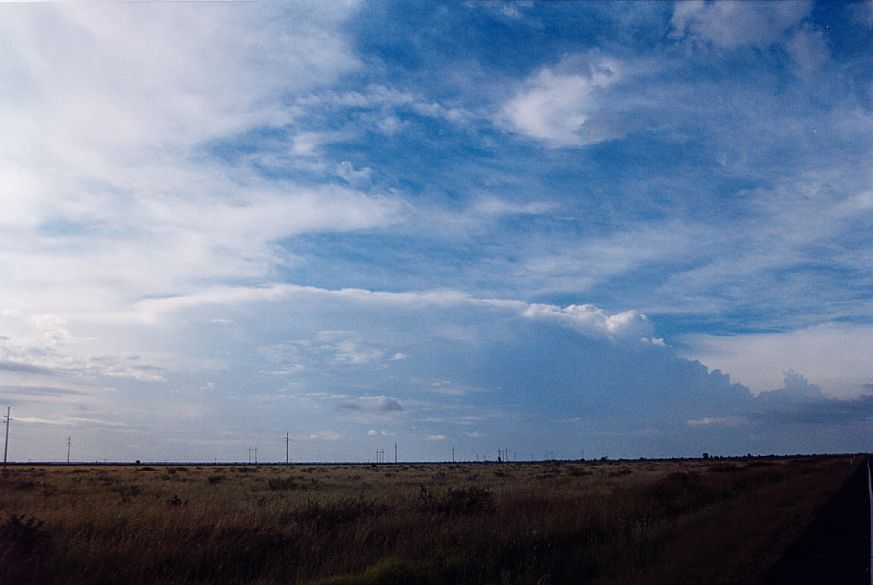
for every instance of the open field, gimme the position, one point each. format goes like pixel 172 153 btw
pixel 693 521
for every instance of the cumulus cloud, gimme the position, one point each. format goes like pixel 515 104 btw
pixel 730 24
pixel 563 105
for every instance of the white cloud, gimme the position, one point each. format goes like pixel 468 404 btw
pixel 326 436
pixel 347 171
pixel 391 125
pixel 437 437
pixel 809 49
pixel 586 318
pixel 380 433
pixel 68 421
pixel 355 352
pixel 730 24
pixel 864 12
pixel 386 404
pixel 326 350
pixel 725 421
pixel 42 345
pixel 563 106
pixel 834 356
pixel 448 388
pixel 372 404
pixel 569 265
pixel 496 207
pixel 592 320
pixel 389 102
pixel 107 193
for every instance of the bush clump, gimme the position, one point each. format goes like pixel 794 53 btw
pixel 277 484
pixel 459 501
pixel 24 549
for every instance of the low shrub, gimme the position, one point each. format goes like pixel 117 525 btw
pixel 284 483
pixel 333 514
pixel 24 549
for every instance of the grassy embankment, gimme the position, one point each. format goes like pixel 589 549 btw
pixel 605 522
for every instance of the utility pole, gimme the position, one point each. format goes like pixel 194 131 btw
pixel 6 444
pixel 286 448
pixel 253 455
pixel 395 451
pixel 453 454
pixel 69 444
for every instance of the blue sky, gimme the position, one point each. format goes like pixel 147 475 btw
pixel 623 229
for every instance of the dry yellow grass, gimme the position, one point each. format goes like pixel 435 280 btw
pixel 598 522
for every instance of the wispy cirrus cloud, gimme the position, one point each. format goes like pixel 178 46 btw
pixel 732 23
pixel 103 165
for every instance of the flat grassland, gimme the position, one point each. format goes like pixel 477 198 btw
pixel 648 521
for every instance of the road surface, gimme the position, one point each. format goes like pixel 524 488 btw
pixel 835 548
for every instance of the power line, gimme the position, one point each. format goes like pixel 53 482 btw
pixel 6 444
